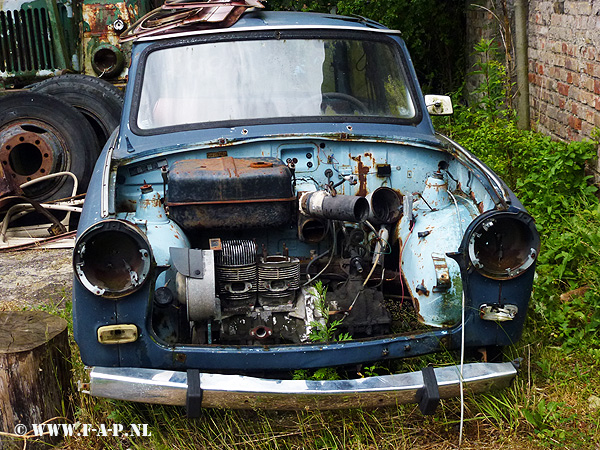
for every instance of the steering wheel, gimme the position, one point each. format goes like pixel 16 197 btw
pixel 336 97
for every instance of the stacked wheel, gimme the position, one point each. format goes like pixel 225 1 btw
pixel 97 100
pixel 41 135
pixel 59 125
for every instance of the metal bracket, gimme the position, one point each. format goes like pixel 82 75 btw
pixel 429 394
pixel 188 262
pixel 498 313
pixel 442 274
pixel 193 398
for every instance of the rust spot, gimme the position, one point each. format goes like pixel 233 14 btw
pixel 219 154
pixel 416 305
pixel 361 171
pixel 480 207
pixel 422 290
pixel 261 165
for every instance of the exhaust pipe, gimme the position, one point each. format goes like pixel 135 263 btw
pixel 322 205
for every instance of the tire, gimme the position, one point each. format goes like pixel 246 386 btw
pixel 40 135
pixel 99 101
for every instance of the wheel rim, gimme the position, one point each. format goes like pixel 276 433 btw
pixel 32 149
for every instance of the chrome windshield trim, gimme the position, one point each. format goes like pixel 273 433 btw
pixel 153 38
pixel 244 392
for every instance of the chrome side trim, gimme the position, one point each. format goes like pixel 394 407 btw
pixel 104 194
pixel 243 392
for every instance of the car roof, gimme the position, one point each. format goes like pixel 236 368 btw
pixel 254 19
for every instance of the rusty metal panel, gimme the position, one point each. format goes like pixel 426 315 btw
pixel 103 22
pixel 230 193
pixel 174 14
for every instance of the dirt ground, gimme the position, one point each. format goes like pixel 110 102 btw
pixel 35 277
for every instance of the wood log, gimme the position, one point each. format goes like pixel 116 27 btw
pixel 35 375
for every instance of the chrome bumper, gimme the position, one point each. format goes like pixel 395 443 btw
pixel 242 392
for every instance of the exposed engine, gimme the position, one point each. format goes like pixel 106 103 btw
pixel 241 244
pixel 232 289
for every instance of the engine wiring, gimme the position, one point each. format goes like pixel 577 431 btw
pixel 375 262
pixel 332 253
pixel 412 227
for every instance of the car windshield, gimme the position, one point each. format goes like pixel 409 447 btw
pixel 246 80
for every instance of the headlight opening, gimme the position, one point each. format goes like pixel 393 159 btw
pixel 503 245
pixel 112 259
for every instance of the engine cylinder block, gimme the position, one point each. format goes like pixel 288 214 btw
pixel 278 279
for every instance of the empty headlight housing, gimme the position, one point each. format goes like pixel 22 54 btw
pixel 112 258
pixel 503 245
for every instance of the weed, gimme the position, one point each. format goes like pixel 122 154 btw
pixel 325 330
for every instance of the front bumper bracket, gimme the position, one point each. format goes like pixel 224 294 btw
pixel 429 394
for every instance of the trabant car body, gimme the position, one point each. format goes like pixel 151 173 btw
pixel 276 199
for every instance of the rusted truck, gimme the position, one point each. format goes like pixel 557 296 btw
pixel 61 69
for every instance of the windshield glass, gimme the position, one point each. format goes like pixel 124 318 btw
pixel 262 79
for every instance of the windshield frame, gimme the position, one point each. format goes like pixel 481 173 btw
pixel 363 35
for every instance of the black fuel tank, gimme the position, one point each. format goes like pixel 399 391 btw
pixel 230 193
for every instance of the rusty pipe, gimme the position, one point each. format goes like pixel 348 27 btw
pixel 321 204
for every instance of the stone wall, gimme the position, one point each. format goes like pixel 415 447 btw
pixel 564 67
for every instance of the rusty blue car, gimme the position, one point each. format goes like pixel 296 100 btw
pixel 276 201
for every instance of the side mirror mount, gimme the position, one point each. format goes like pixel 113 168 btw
pixel 439 105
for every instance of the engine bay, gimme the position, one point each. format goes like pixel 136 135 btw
pixel 266 251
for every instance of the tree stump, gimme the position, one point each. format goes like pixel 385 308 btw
pixel 35 374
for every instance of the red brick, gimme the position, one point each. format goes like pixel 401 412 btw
pixel 564 47
pixel 596 86
pixel 575 123
pixel 541 69
pixel 561 103
pixel 597 104
pixel 563 89
pixel 570 78
pixel 574 108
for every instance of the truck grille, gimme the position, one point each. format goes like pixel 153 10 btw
pixel 25 41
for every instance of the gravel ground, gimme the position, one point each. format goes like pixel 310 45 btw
pixel 35 277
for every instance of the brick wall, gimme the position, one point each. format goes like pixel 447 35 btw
pixel 564 62
pixel 481 24
pixel 564 67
